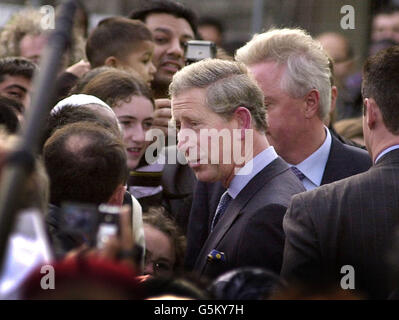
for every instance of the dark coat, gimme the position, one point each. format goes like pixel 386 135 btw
pixel 349 222
pixel 250 232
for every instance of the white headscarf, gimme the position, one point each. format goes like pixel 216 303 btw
pixel 79 100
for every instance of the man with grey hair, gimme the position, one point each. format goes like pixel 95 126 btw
pixel 292 70
pixel 219 112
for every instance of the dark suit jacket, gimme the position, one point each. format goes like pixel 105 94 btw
pixel 250 232
pixel 349 222
pixel 343 161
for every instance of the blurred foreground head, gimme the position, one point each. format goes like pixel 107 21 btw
pixel 84 278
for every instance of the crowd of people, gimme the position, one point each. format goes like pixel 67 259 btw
pixel 269 173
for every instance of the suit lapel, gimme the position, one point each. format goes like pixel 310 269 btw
pixel 335 163
pixel 234 209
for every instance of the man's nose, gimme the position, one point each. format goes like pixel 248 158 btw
pixel 176 48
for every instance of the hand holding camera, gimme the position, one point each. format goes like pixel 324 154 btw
pixel 107 232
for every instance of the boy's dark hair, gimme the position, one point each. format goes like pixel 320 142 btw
pixel 115 36
pixel 166 6
pixel 381 82
pixel 85 163
pixel 17 66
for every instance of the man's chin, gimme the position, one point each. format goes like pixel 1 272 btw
pixel 162 80
pixel 204 175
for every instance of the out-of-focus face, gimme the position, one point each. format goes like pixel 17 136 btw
pixel 17 88
pixel 140 61
pixel 210 33
pixel 170 34
pixel 386 26
pixel 160 255
pixel 336 47
pixel 136 118
pixel 285 115
pixel 193 120
pixel 31 46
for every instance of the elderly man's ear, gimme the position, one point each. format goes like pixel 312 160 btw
pixel 244 120
pixel 312 104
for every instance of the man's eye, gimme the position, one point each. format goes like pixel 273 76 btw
pixel 161 40
pixel 15 94
pixel 162 267
pixel 194 124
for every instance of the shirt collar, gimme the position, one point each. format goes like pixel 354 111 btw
pixel 313 166
pixel 396 146
pixel 250 170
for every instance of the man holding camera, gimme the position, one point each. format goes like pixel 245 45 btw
pixel 86 164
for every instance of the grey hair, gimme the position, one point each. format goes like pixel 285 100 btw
pixel 305 60
pixel 228 86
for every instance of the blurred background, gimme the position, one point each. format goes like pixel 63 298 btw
pixel 240 19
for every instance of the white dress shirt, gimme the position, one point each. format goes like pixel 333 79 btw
pixel 313 166
pixel 250 170
pixel 396 146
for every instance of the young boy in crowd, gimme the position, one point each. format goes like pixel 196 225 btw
pixel 122 43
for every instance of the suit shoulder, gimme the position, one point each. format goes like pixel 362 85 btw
pixel 330 194
pixel 359 156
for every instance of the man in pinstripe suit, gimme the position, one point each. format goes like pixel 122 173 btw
pixel 352 222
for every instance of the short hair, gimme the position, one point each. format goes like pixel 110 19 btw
pixel 85 163
pixel 305 60
pixel 157 218
pixel 381 82
pixel 113 86
pixel 17 66
pixel 121 36
pixel 166 6
pixel 211 21
pixel 386 10
pixel 71 114
pixel 228 86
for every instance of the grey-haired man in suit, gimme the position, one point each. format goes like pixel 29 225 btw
pixel 218 101
pixel 339 235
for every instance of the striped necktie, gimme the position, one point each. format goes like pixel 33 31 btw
pixel 221 208
pixel 298 173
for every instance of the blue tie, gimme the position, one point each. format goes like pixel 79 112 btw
pixel 223 203
pixel 298 173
